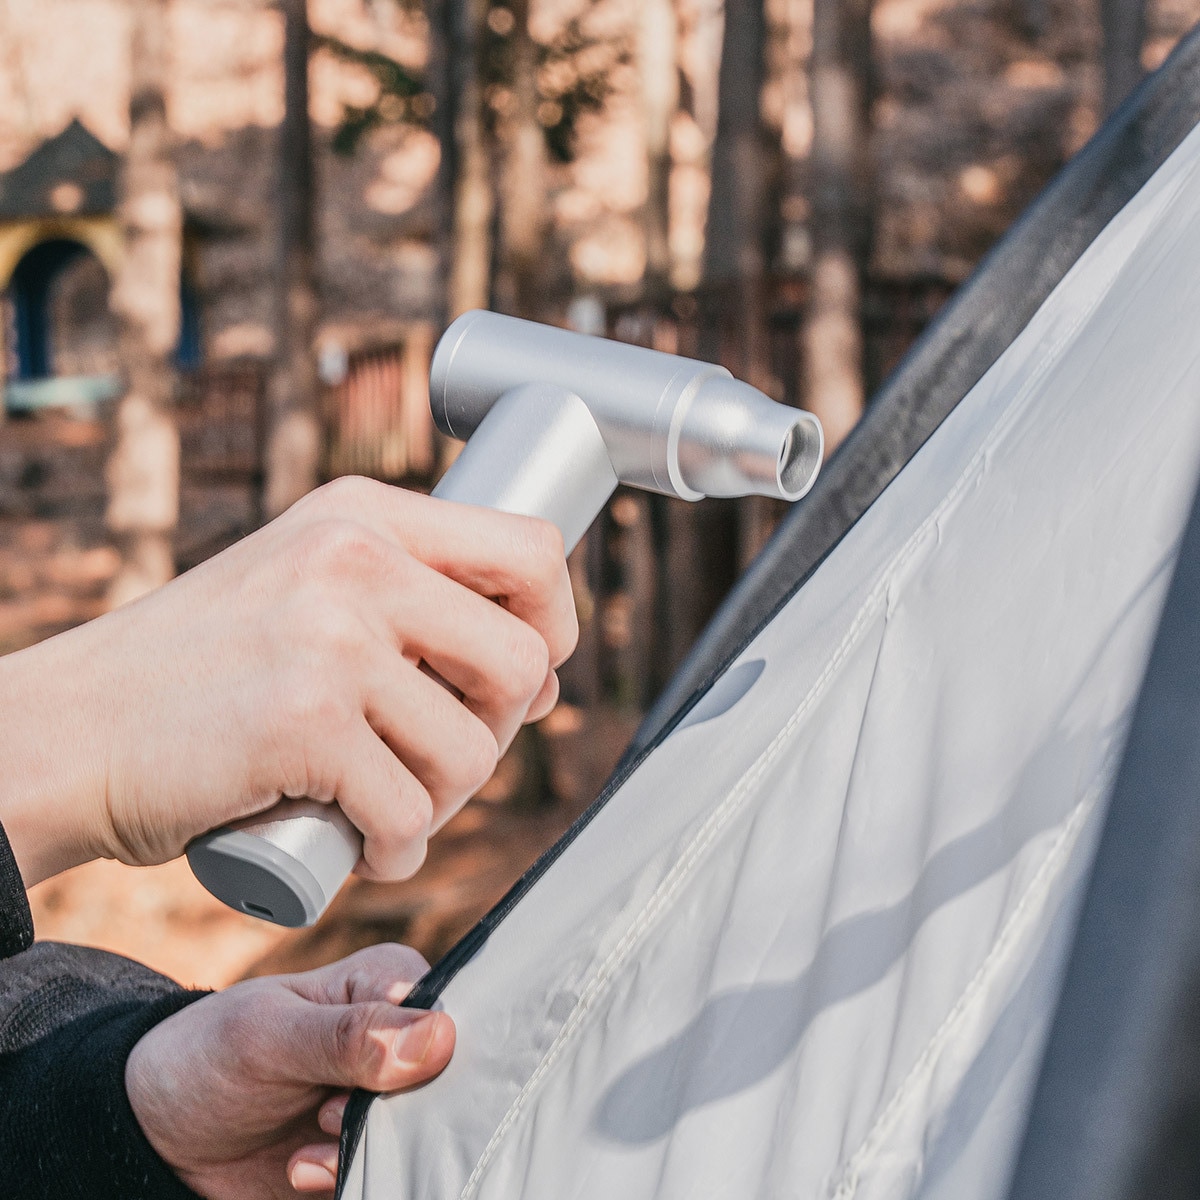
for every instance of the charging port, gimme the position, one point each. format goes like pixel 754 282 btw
pixel 257 910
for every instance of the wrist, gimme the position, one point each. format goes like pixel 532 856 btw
pixel 52 792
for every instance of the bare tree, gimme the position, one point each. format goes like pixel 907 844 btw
pixel 465 185
pixel 659 75
pixel 734 265
pixel 704 543
pixel 143 470
pixel 1123 23
pixel 832 334
pixel 736 229
pixel 523 207
pixel 295 429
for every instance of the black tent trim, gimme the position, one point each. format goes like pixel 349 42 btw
pixel 974 328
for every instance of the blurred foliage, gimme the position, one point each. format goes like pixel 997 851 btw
pixel 401 97
pixel 574 76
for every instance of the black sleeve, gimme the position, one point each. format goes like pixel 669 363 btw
pixel 69 1017
pixel 16 924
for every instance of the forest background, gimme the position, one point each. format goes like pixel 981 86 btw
pixel 301 195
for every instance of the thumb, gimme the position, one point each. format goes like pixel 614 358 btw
pixel 372 1045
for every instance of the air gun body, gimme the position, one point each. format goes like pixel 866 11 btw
pixel 555 421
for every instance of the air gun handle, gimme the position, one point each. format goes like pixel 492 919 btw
pixel 538 452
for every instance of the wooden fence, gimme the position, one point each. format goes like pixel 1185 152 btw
pixel 378 415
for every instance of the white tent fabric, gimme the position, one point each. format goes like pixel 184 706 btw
pixel 811 947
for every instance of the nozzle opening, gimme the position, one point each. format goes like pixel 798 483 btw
pixel 800 458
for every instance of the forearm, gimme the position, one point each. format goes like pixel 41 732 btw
pixel 288 666
pixel 52 745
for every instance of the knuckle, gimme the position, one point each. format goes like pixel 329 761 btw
pixel 392 959
pixel 310 704
pixel 401 840
pixel 528 664
pixel 338 549
pixel 359 974
pixel 476 759
pixel 566 636
pixel 544 546
pixel 408 964
pixel 346 492
pixel 243 1034
pixel 341 633
pixel 415 818
pixel 326 627
pixel 316 689
pixel 353 1047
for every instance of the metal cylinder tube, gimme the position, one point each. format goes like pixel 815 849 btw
pixel 655 411
pixel 537 453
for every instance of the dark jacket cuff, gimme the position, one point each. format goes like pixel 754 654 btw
pixel 65 1120
pixel 16 923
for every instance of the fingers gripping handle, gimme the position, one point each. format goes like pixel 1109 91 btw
pixel 538 452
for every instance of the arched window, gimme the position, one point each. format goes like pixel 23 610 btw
pixel 62 334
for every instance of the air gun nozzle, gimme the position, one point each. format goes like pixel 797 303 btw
pixel 734 441
pixel 800 459
pixel 670 424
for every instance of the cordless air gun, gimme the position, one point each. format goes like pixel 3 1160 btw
pixel 555 420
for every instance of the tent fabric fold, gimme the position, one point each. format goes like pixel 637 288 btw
pixel 810 940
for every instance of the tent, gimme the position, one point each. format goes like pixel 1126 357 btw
pixel 893 894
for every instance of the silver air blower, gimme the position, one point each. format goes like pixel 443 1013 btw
pixel 556 420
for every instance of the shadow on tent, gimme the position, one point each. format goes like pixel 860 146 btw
pixel 1117 1107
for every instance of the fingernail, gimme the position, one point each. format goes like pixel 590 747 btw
pixel 331 1114
pixel 312 1177
pixel 412 1046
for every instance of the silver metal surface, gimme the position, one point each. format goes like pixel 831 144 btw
pixel 671 424
pixel 537 452
pixel 285 868
pixel 556 420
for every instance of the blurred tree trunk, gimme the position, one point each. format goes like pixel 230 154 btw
pixel 734 265
pixel 735 233
pixel 1123 23
pixel 832 333
pixel 647 565
pixel 659 72
pixel 465 184
pixel 143 470
pixel 440 82
pixel 295 433
pixel 700 547
pixel 628 585
pixel 523 208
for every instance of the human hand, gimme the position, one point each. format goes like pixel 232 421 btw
pixel 288 666
pixel 242 1093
